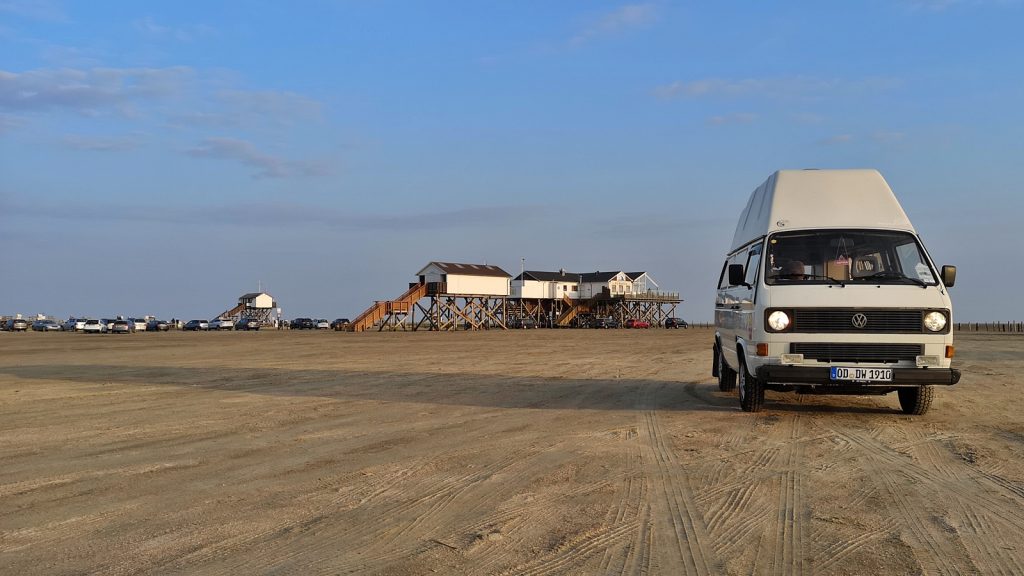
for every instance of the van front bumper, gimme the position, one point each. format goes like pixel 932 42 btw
pixel 820 375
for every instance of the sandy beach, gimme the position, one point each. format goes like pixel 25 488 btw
pixel 521 452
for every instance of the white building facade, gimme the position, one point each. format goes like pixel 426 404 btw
pixel 467 279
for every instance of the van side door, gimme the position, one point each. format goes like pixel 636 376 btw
pixel 735 303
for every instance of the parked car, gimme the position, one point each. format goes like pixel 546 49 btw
pixel 303 324
pixel 16 325
pixel 73 325
pixel 138 324
pixel 222 324
pixel 635 323
pixel 196 325
pixel 248 324
pixel 122 327
pixel 676 323
pixel 527 322
pixel 584 321
pixel 323 324
pixel 93 326
pixel 340 324
pixel 157 326
pixel 108 322
pixel 608 322
pixel 45 326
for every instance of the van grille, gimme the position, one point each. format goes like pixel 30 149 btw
pixel 835 352
pixel 889 321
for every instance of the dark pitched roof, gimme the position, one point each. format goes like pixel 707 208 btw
pixel 541 276
pixel 598 276
pixel 252 295
pixel 471 269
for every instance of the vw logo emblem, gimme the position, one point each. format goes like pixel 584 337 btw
pixel 859 320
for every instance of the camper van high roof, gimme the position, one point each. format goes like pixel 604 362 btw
pixel 800 199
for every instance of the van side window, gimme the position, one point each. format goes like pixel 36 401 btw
pixel 723 280
pixel 753 261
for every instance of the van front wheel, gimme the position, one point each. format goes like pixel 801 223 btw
pixel 726 375
pixel 751 390
pixel 916 400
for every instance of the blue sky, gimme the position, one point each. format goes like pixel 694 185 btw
pixel 165 159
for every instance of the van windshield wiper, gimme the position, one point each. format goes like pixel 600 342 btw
pixel 894 276
pixel 800 277
pixel 830 279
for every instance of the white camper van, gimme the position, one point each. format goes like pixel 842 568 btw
pixel 828 290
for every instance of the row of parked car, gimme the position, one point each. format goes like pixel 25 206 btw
pixel 222 324
pixel 114 326
pixel 597 322
pixel 321 324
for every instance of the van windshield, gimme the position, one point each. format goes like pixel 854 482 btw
pixel 846 256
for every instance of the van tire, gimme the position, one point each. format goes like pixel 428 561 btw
pixel 916 400
pixel 726 375
pixel 751 390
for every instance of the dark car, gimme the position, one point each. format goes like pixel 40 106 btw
pixel 16 325
pixel 527 322
pixel 676 323
pixel 608 322
pixel 340 324
pixel 157 326
pixel 303 324
pixel 196 325
pixel 248 324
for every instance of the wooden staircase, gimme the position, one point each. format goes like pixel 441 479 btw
pixel 233 313
pixel 381 309
pixel 573 310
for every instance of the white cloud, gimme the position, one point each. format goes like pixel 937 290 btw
pixel 837 139
pixel 887 137
pixel 790 87
pixel 283 214
pixel 91 91
pixel 624 18
pixel 100 144
pixel 179 95
pixel 9 123
pixel 267 166
pixel 943 5
pixel 284 107
pixel 734 118
pixel 45 10
pixel 807 118
pixel 246 108
pixel 151 28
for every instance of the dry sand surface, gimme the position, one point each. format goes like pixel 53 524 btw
pixel 526 452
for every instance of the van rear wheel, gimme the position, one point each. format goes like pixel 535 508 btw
pixel 751 390
pixel 916 400
pixel 726 375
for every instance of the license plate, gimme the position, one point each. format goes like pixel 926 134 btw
pixel 861 374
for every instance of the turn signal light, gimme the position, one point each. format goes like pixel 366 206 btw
pixel 949 351
pixel 762 349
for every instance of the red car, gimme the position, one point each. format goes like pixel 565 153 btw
pixel 632 323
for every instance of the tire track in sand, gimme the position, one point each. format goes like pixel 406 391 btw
pixel 784 553
pixel 941 546
pixel 676 511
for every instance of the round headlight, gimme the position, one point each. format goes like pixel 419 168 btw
pixel 778 320
pixel 935 321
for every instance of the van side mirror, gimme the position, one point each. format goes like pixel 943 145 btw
pixel 736 276
pixel 949 275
